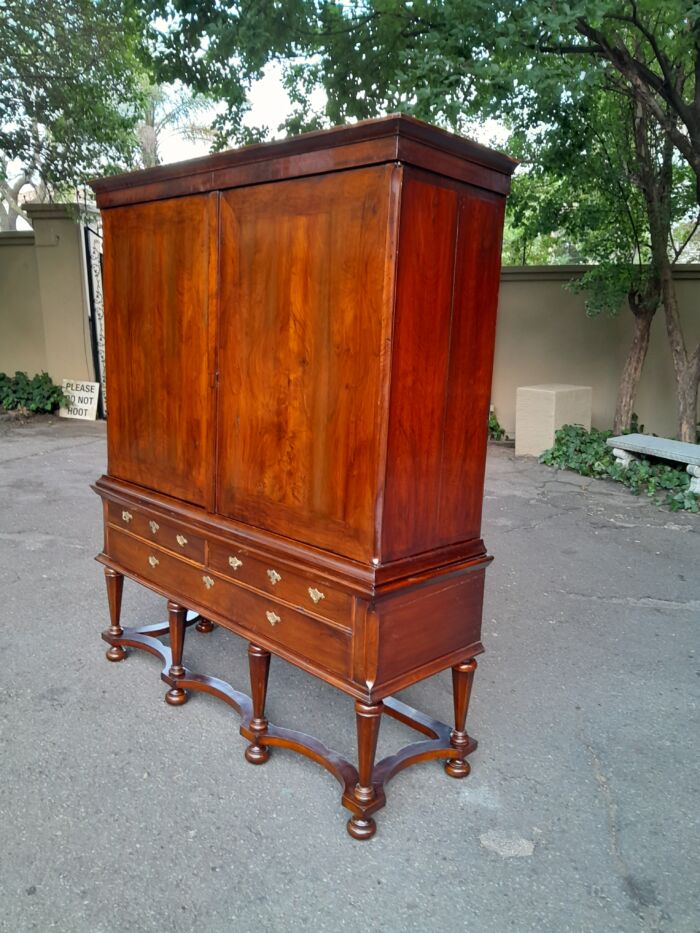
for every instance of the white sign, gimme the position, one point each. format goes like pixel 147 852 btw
pixel 83 399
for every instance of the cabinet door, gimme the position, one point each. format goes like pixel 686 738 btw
pixel 158 263
pixel 304 322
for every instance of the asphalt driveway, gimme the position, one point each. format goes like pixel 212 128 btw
pixel 119 813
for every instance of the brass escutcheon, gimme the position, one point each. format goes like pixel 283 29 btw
pixel 127 516
pixel 154 526
pixel 274 577
pixel 181 540
pixel 315 594
pixel 208 582
pixel 153 561
pixel 235 562
pixel 272 617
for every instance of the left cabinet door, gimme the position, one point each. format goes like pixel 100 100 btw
pixel 160 269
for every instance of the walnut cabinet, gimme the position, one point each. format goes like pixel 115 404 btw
pixel 299 343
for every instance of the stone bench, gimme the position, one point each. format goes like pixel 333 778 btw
pixel 626 446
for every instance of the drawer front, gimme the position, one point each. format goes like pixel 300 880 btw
pixel 311 594
pixel 307 637
pixel 161 532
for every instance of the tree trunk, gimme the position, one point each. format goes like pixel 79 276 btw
pixel 632 371
pixel 687 387
pixel 686 366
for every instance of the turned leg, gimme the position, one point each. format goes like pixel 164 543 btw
pixel 368 718
pixel 177 615
pixel 115 585
pixel 462 677
pixel 204 626
pixel 259 662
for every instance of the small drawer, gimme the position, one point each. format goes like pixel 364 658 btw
pixel 160 531
pixel 311 594
pixel 304 636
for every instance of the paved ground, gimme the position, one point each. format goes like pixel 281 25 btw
pixel 118 813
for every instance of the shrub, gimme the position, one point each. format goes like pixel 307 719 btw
pixel 39 393
pixel 496 432
pixel 586 453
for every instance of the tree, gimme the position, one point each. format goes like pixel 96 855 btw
pixel 170 109
pixel 70 92
pixel 590 194
pixel 651 54
pixel 450 60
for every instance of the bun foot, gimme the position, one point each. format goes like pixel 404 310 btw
pixel 361 828
pixel 457 768
pixel 205 626
pixel 115 653
pixel 176 696
pixel 257 754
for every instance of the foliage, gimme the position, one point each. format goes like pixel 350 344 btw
pixel 582 84
pixel 173 109
pixel 70 88
pixel 38 394
pixel 439 59
pixel 496 432
pixel 587 453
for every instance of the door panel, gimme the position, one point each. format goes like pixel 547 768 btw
pixel 159 269
pixel 305 312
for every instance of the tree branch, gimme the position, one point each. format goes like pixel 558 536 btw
pixel 677 252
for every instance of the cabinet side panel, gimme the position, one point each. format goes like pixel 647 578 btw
pixel 156 264
pixel 302 324
pixel 477 278
pixel 449 261
pixel 420 362
pixel 433 622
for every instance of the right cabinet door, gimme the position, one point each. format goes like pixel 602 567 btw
pixel 305 316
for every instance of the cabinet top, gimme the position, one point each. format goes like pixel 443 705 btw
pixel 395 138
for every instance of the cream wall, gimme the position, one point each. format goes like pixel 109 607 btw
pixel 543 333
pixel 21 325
pixel 544 336
pixel 43 297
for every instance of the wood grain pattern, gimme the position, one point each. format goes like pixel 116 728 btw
pixel 302 310
pixel 157 261
pixel 420 361
pixel 447 291
pixel 463 457
pixel 438 620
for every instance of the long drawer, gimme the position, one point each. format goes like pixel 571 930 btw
pixel 260 615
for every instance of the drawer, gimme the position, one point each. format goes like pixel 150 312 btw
pixel 307 637
pixel 160 531
pixel 311 594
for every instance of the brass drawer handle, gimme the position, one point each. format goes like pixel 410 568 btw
pixel 315 594
pixel 153 561
pixel 274 577
pixel 235 562
pixel 154 526
pixel 208 582
pixel 181 540
pixel 272 617
pixel 126 516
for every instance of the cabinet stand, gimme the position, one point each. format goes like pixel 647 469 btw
pixel 363 786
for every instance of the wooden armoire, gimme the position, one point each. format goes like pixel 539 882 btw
pixel 299 344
